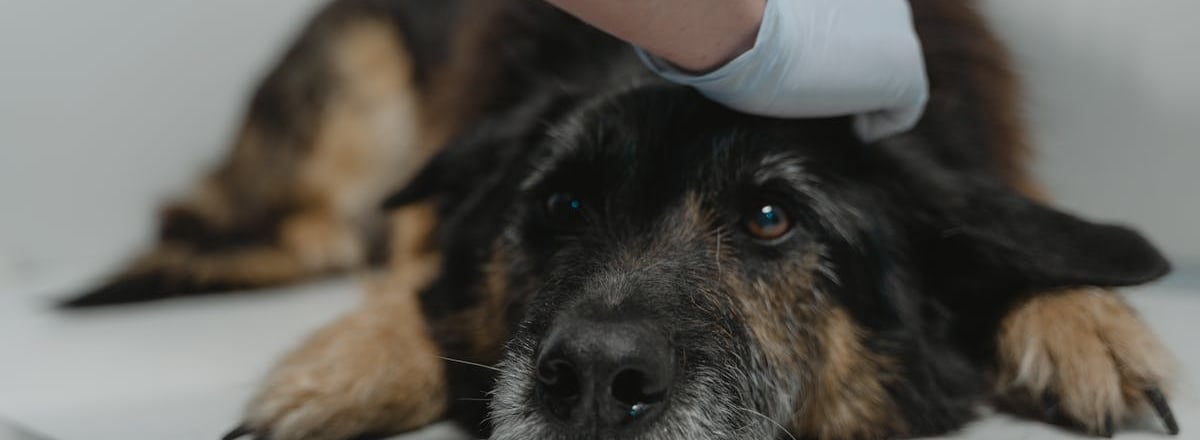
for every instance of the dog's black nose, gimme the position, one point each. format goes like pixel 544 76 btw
pixel 608 373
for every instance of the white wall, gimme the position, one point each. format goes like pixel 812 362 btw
pixel 1113 91
pixel 108 106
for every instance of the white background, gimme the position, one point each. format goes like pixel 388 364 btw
pixel 107 107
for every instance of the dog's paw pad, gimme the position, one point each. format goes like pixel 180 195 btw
pixel 1083 358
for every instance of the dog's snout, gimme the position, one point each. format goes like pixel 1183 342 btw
pixel 608 373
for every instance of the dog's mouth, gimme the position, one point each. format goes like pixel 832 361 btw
pixel 620 380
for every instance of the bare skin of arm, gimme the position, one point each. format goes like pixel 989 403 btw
pixel 694 35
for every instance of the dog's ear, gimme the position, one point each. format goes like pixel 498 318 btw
pixel 476 158
pixel 429 182
pixel 990 237
pixel 462 165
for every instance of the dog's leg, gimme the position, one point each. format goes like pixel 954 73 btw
pixel 374 371
pixel 1084 358
pixel 337 125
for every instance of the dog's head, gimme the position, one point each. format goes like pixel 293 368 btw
pixel 679 271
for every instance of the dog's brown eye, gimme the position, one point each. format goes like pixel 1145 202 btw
pixel 768 223
pixel 564 206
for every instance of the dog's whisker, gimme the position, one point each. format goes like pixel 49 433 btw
pixel 742 428
pixel 719 230
pixel 473 364
pixel 764 416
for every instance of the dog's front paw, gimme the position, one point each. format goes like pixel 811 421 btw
pixel 1083 358
pixel 361 376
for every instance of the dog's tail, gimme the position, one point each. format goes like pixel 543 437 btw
pixel 196 254
pixel 331 130
pixel 170 272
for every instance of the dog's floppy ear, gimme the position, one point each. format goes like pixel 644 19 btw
pixel 473 160
pixel 990 237
pixel 429 182
pixel 465 163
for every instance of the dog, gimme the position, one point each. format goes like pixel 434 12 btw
pixel 575 249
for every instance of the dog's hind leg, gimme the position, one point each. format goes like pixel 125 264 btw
pixel 334 127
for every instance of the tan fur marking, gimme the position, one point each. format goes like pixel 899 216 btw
pixel 369 129
pixel 680 226
pixel 786 345
pixel 208 201
pixel 321 242
pixel 414 259
pixel 491 330
pixel 969 70
pixel 848 399
pixel 252 267
pixel 843 395
pixel 1087 347
pixel 483 329
pixel 369 141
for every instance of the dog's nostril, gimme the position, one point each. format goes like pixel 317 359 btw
pixel 633 387
pixel 612 373
pixel 560 387
pixel 559 378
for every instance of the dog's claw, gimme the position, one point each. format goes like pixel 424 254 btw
pixel 238 432
pixel 1109 427
pixel 1050 408
pixel 1159 403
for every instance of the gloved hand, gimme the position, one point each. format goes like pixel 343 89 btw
pixel 820 58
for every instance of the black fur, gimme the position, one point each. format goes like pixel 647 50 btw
pixel 928 243
pixel 930 262
pixel 133 288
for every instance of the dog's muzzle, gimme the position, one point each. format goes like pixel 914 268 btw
pixel 607 375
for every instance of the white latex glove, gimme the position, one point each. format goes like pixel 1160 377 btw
pixel 822 58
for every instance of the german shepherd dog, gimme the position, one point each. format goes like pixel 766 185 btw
pixel 574 249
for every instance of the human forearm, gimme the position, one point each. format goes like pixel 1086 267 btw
pixel 694 35
pixel 781 58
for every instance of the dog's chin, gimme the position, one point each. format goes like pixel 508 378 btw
pixel 697 410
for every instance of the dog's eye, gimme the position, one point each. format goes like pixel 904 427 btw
pixel 768 222
pixel 564 206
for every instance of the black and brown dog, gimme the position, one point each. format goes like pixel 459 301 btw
pixel 581 251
